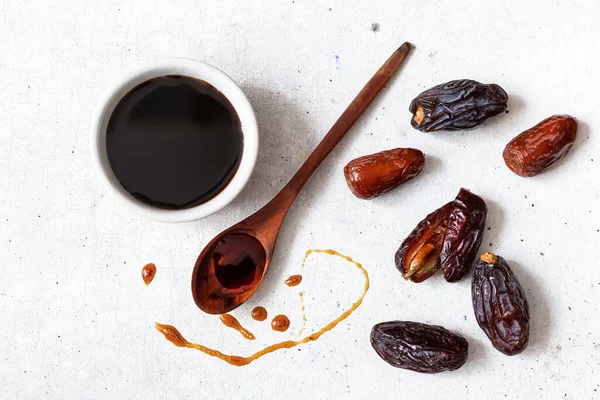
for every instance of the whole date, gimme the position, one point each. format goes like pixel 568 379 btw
pixel 540 147
pixel 457 105
pixel 419 347
pixel 500 304
pixel 372 175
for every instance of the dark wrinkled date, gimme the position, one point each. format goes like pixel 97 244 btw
pixel 448 238
pixel 500 305
pixel 540 147
pixel 463 236
pixel 457 105
pixel 419 347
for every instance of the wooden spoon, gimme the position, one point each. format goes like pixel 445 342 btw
pixel 232 266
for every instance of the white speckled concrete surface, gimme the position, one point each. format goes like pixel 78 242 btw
pixel 76 317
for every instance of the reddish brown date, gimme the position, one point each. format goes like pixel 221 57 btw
pixel 375 174
pixel 448 238
pixel 500 304
pixel 419 347
pixel 456 105
pixel 540 147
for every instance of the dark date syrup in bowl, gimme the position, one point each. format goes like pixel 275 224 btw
pixel 174 142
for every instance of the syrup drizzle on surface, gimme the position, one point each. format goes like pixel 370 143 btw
pixel 174 336
pixel 231 322
pixel 301 295
pixel 293 280
pixel 148 273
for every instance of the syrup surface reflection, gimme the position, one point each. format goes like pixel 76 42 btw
pixel 229 273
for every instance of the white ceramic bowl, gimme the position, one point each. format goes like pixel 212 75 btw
pixel 175 66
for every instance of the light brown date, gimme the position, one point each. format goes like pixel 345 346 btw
pixel 540 147
pixel 372 175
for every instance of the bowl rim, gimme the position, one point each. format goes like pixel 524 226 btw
pixel 194 69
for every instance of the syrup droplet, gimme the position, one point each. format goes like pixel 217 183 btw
pixel 173 335
pixel 293 280
pixel 259 313
pixel 301 295
pixel 280 323
pixel 148 273
pixel 231 322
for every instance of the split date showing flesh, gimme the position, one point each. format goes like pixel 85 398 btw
pixel 372 175
pixel 457 105
pixel 540 147
pixel 500 304
pixel 446 239
pixel 419 347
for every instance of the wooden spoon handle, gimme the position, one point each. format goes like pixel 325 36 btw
pixel 265 222
pixel 343 125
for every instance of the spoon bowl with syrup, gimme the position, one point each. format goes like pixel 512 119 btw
pixel 233 264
